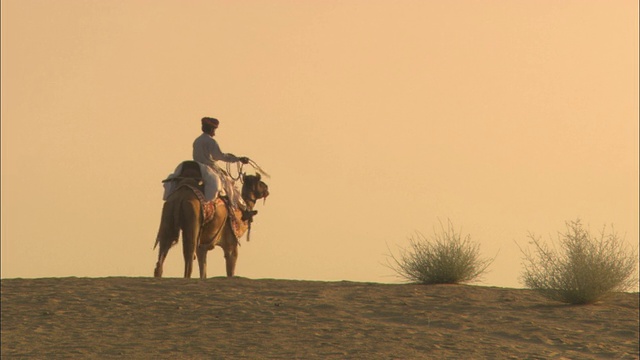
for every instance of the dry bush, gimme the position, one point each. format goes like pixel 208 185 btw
pixel 444 258
pixel 586 269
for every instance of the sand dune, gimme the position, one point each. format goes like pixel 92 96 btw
pixel 218 318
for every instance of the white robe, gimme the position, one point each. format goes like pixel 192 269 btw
pixel 206 152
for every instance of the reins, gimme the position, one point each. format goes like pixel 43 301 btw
pixel 239 167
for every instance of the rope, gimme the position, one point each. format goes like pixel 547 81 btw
pixel 259 169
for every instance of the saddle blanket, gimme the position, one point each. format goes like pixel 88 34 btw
pixel 209 207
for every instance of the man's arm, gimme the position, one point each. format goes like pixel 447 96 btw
pixel 217 154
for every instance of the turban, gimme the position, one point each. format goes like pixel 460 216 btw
pixel 210 121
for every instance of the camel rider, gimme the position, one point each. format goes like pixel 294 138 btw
pixel 206 151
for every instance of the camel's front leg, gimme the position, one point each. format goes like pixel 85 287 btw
pixel 231 256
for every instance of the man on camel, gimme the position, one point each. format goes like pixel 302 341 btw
pixel 206 151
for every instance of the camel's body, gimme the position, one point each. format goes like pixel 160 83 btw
pixel 182 211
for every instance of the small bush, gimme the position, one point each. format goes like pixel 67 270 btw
pixel 586 269
pixel 445 258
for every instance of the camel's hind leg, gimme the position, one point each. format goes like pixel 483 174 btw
pixel 190 234
pixel 189 240
pixel 167 236
pixel 201 252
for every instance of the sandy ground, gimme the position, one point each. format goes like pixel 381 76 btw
pixel 218 318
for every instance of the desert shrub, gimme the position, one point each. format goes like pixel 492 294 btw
pixel 444 258
pixel 585 269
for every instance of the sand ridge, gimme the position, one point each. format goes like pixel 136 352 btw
pixel 219 318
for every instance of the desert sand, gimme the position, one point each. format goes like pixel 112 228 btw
pixel 219 318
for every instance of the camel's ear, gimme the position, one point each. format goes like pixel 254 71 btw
pixel 258 176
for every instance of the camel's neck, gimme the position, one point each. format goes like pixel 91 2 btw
pixel 249 198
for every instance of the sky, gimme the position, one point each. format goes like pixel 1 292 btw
pixel 376 120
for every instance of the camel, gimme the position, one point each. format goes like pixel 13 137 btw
pixel 183 211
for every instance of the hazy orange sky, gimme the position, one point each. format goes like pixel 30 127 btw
pixel 376 119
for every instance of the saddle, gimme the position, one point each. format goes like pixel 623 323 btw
pixel 188 170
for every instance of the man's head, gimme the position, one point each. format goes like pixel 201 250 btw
pixel 209 125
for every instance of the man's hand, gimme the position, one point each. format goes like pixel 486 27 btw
pixel 244 160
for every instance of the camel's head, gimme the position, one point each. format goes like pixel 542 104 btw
pixel 254 188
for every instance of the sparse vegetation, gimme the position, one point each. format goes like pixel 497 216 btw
pixel 444 258
pixel 584 270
